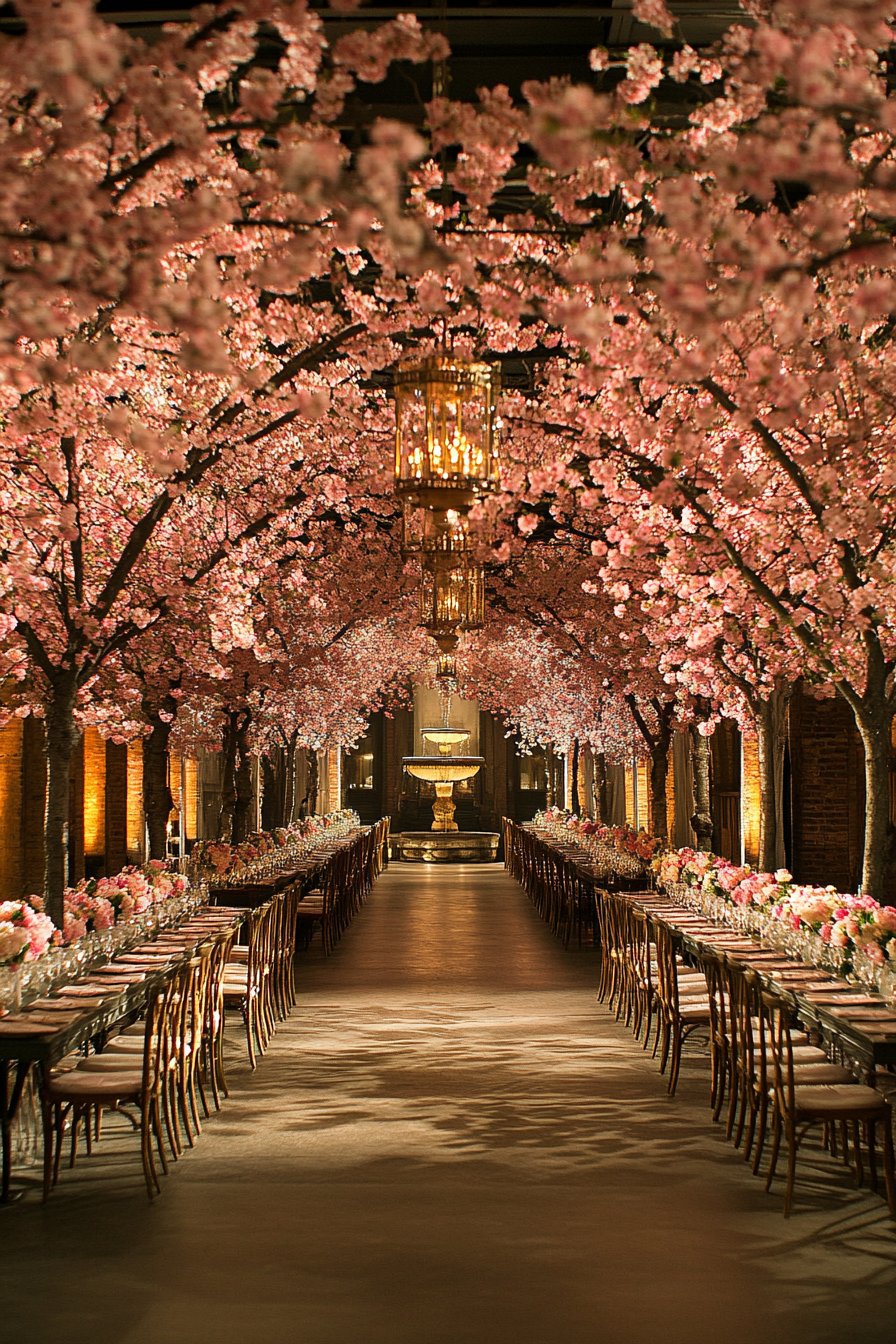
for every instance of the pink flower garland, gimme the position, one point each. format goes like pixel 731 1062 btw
pixel 850 924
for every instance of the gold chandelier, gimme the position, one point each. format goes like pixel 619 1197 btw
pixel 445 450
pixel 452 598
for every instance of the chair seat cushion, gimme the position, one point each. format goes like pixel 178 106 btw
pixel 124 1045
pixel 71 1061
pixel 79 1086
pixel 106 1063
pixel 852 1099
pixel 805 1075
pixel 694 1012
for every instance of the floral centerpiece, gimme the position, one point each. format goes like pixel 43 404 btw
pixel 216 860
pixel 628 841
pixel 824 926
pixel 97 904
pixel 25 931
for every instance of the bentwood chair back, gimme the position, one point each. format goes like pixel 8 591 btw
pixel 676 1020
pixel 213 1037
pixel 139 1081
pixel 721 1040
pixel 798 1106
pixel 244 982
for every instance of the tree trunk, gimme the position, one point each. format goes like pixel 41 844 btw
pixel 769 716
pixel 61 739
pixel 245 794
pixel 313 782
pixel 659 772
pixel 157 799
pixel 549 793
pixel 575 777
pixel 601 792
pixel 289 783
pixel 702 818
pixel 228 785
pixel 874 724
pixel 657 743
pixel 272 788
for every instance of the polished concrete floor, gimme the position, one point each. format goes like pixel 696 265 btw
pixel 450 1142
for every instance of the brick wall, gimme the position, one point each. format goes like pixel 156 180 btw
pixel 34 791
pixel 94 753
pixel 134 785
pixel 116 839
pixel 11 876
pixel 670 795
pixel 827 793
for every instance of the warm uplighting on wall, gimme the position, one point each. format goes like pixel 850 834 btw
pixel 135 823
pixel 191 797
pixel 749 799
pixel 94 793
pixel 445 452
pixel 11 808
pixel 637 795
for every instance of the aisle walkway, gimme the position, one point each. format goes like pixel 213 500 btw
pixel 450 1143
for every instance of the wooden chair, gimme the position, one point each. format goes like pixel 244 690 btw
pixel 811 1066
pixel 798 1107
pixel 722 1041
pixel 320 906
pixel 677 1017
pixel 140 1082
pixel 244 983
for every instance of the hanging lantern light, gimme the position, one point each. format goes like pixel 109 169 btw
pixel 452 598
pixel 446 668
pixel 445 450
pixel 433 532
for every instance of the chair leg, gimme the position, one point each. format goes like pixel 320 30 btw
pixel 159 1136
pixel 250 1043
pixel 150 1175
pixel 776 1146
pixel 748 1112
pixel 857 1145
pixel 168 1110
pixel 676 1058
pixel 59 1129
pixel 872 1157
pixel 889 1178
pixel 792 1145
pixel 77 1116
pixel 762 1131
pixel 47 1110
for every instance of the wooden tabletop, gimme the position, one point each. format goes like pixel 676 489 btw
pixel 841 1016
pixel 46 1036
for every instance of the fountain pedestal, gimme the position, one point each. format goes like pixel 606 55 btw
pixel 447 846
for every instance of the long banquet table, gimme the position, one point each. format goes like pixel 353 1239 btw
pixel 308 873
pixel 35 1037
pixel 855 1022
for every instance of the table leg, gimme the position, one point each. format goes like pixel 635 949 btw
pixel 9 1106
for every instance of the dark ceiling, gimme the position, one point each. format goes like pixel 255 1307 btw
pixel 491 43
